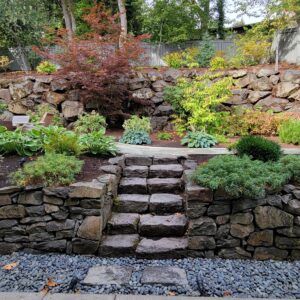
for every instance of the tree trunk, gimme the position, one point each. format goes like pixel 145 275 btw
pixel 123 19
pixel 69 18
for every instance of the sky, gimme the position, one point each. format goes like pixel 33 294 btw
pixel 234 17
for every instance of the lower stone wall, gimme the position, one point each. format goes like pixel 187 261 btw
pixel 267 228
pixel 60 219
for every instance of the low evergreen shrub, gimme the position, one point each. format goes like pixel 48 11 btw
pixel 259 148
pixel 49 170
pixel 243 177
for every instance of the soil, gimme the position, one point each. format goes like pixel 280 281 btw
pixel 282 67
pixel 175 141
pixel 91 168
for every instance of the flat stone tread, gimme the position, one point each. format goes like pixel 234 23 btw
pixel 123 219
pixel 165 276
pixel 125 181
pixel 108 275
pixel 171 220
pixel 161 160
pixel 166 171
pixel 120 241
pixel 149 246
pixel 161 198
pixel 171 167
pixel 163 181
pixel 134 197
pixel 136 171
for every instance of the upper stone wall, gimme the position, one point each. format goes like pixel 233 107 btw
pixel 266 88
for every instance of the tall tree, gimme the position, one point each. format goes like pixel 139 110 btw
pixel 221 19
pixel 123 19
pixel 70 23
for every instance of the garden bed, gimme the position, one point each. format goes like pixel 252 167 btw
pixel 176 140
pixel 90 169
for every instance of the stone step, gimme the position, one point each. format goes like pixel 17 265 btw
pixel 165 203
pixel 164 185
pixel 131 203
pixel 162 248
pixel 166 171
pixel 172 225
pixel 165 160
pixel 118 245
pixel 138 160
pixel 122 223
pixel 136 171
pixel 133 185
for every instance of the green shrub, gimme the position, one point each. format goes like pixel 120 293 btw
pixel 98 144
pixel 207 51
pixel 35 117
pixel 196 101
pixel 291 163
pixel 92 122
pixel 3 107
pixel 241 176
pixel 22 143
pixel 258 147
pixel 60 140
pixel 135 137
pixel 173 60
pixel 289 132
pixel 198 139
pixel 164 136
pixel 46 67
pixel 135 123
pixel 217 63
pixel 49 170
pixel 186 58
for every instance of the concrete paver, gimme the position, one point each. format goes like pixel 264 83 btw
pixel 21 296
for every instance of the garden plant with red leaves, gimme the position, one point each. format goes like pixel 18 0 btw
pixel 95 63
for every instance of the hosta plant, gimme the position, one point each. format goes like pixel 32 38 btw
pixel 90 122
pixel 198 139
pixel 98 144
pixel 135 137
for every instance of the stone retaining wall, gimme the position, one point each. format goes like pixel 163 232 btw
pixel 265 88
pixel 267 228
pixel 61 219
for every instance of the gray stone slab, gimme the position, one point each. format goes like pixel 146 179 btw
pixel 21 296
pixel 172 225
pixel 166 171
pixel 165 203
pixel 77 297
pixel 132 203
pixel 119 245
pixel 133 185
pixel 122 223
pixel 136 171
pixel 164 185
pixel 108 275
pixel 164 276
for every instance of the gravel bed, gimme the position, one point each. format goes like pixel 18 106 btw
pixel 206 277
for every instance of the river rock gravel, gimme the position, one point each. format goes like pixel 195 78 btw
pixel 206 277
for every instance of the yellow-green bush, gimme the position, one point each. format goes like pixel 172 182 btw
pixel 46 67
pixel 186 58
pixel 4 62
pixel 217 63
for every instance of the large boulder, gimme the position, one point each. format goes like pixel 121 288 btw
pixel 159 85
pixel 60 85
pixel 91 228
pixel 254 96
pixel 5 95
pixel 72 109
pixel 290 75
pixel 295 95
pixel 144 93
pixel 272 217
pixel 21 90
pixel 239 96
pixel 88 190
pixel 55 98
pixel 17 108
pixel 246 80
pixel 266 72
pixel 275 104
pixel 262 84
pixel 285 89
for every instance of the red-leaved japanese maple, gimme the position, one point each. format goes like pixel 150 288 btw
pixel 94 62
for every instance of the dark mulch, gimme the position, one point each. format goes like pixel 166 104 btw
pixel 90 170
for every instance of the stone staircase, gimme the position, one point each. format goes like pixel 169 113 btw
pixel 148 218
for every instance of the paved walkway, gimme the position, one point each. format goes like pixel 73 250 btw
pixel 39 296
pixel 149 150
